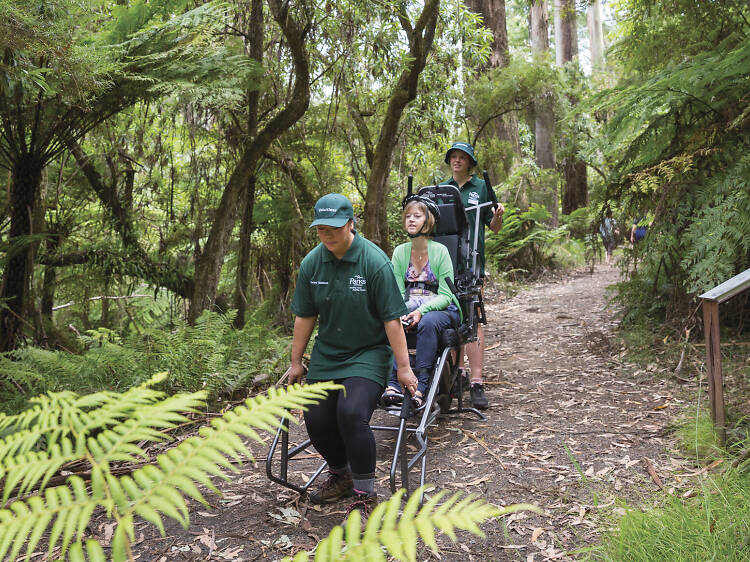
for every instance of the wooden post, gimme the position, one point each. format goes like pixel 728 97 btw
pixel 713 365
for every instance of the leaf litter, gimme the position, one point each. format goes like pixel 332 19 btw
pixel 572 427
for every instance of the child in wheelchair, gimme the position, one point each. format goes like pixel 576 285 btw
pixel 421 267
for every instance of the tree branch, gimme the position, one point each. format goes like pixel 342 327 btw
pixel 364 132
pixel 495 116
pixel 288 165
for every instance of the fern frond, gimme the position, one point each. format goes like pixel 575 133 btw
pixel 149 492
pixel 399 534
pixel 100 436
pixel 68 508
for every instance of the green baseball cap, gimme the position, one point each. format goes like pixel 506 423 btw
pixel 463 147
pixel 333 210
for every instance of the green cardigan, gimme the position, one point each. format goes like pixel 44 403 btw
pixel 442 267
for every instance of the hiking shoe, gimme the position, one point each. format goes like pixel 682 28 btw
pixel 363 502
pixel 478 399
pixel 335 487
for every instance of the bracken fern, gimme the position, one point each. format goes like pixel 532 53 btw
pixel 105 428
pixel 391 530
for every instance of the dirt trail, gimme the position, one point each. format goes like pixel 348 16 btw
pixel 570 428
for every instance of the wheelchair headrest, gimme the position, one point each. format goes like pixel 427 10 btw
pixel 452 213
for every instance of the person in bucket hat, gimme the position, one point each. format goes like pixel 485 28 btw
pixel 464 147
pixel 347 285
pixel 461 159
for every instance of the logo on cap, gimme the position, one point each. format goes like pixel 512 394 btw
pixel 333 210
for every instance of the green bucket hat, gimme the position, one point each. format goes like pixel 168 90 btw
pixel 463 147
pixel 333 210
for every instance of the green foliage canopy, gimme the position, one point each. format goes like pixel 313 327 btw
pixel 676 148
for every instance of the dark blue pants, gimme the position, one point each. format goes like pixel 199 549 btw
pixel 428 338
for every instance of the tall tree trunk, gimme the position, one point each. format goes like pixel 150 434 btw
pixel 209 263
pixel 575 191
pixel 596 34
pixel 575 194
pixel 247 227
pixel 24 190
pixel 544 118
pixel 420 44
pixel 49 284
pixel 493 12
pixel 566 38
pixel 38 225
pixel 558 32
pixel 255 52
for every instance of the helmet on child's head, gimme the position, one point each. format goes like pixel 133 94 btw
pixel 463 147
pixel 431 207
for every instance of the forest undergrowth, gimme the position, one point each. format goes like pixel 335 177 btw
pixel 711 519
pixel 211 356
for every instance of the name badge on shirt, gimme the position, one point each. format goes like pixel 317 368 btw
pixel 473 198
pixel 318 282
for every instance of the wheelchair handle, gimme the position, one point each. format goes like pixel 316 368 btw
pixel 406 406
pixel 493 197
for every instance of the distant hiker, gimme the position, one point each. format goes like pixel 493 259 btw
pixel 347 283
pixel 640 227
pixel 608 232
pixel 460 158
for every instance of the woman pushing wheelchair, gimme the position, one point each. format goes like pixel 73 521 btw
pixel 347 285
pixel 421 266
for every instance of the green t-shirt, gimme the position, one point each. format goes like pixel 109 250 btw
pixel 352 298
pixel 474 192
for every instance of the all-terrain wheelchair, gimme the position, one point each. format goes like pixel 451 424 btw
pixel 413 424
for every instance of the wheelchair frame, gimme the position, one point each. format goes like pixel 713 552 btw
pixel 444 385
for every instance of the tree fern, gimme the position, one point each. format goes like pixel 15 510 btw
pixel 678 142
pixel 106 428
pixel 397 531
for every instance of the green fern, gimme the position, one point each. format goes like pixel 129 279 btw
pixel 678 141
pixel 107 428
pixel 523 238
pixel 399 535
pixel 210 356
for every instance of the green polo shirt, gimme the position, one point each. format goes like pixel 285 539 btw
pixel 352 298
pixel 475 192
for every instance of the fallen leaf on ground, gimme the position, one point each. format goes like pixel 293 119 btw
pixel 536 534
pixel 288 515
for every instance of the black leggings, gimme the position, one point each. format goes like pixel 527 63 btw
pixel 339 426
